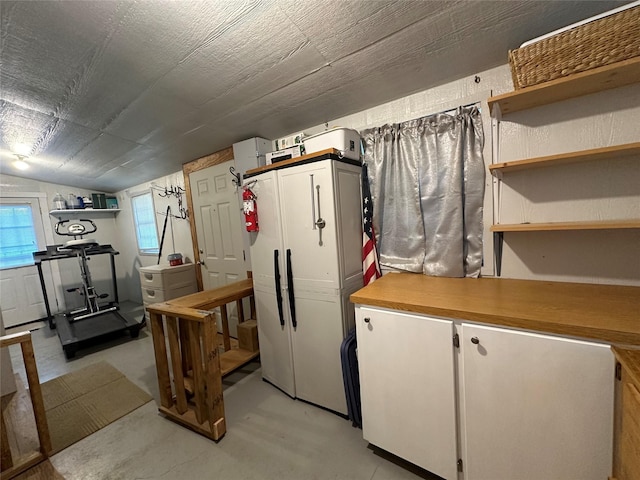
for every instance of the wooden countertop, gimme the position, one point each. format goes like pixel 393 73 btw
pixel 607 313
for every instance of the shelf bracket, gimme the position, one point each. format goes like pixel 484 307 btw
pixel 498 240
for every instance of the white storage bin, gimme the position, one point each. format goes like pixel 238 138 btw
pixel 167 277
pixel 346 140
pixel 163 282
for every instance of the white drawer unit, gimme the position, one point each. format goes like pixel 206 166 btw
pixel 164 282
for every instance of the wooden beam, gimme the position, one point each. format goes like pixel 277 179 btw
pixel 176 364
pixel 162 365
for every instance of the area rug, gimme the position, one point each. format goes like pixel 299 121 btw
pixel 82 402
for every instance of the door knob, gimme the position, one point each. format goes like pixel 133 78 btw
pixel 367 320
pixel 200 262
pixel 475 340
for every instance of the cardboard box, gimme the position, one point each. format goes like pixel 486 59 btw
pixel 112 202
pixel 286 154
pixel 248 335
pixel 99 200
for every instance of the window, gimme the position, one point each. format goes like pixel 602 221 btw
pixel 17 236
pixel 144 219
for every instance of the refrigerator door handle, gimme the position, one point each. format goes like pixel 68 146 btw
pixel 292 302
pixel 276 271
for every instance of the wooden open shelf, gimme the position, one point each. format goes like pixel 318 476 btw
pixel 584 83
pixel 617 151
pixel 541 227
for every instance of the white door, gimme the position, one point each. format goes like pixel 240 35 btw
pixel 535 406
pixel 21 297
pixel 407 386
pixel 217 216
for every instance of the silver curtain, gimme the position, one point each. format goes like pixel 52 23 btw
pixel 427 185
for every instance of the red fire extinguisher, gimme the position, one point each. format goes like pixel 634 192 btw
pixel 250 210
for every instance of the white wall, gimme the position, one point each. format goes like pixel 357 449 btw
pixel 117 230
pixel 586 191
pixel 177 235
pixel 68 269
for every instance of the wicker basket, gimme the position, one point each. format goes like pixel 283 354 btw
pixel 602 42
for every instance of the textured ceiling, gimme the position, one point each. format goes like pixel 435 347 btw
pixel 105 95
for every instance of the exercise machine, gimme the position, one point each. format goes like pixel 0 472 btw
pixel 80 246
pixel 92 322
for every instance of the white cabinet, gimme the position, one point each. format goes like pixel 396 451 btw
pixel 529 406
pixel 160 283
pixel 535 406
pixel 407 384
pixel 306 261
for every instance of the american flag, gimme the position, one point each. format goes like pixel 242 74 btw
pixel 370 264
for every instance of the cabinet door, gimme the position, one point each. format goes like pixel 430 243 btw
pixel 316 349
pixel 269 238
pixel 276 355
pixel 407 387
pixel 306 195
pixel 534 406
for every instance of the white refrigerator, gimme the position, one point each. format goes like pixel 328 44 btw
pixel 306 260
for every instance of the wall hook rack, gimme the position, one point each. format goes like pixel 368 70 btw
pixel 237 181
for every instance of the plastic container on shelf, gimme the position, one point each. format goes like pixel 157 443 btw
pixel 74 202
pixel 59 203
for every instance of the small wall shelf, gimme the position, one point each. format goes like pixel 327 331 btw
pixel 598 79
pixel 618 151
pixel 89 212
pixel 541 227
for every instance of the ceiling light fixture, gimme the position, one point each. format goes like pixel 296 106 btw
pixel 20 164
pixel 22 149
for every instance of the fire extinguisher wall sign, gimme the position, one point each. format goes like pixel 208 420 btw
pixel 250 209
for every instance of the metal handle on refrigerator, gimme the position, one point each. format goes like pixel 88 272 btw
pixel 317 223
pixel 292 302
pixel 320 223
pixel 276 271
pixel 313 203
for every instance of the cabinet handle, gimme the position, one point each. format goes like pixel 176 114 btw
pixel 475 340
pixel 292 298
pixel 367 320
pixel 278 286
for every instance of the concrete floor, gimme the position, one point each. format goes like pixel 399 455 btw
pixel 269 435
